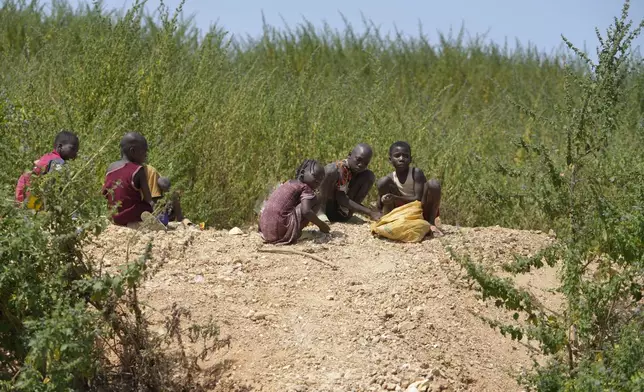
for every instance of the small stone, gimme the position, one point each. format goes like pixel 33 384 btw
pixel 390 386
pixel 330 297
pixel 406 326
pixel 335 376
pixel 258 316
pixel 235 231
pixel 199 279
pixel 436 373
pixel 300 388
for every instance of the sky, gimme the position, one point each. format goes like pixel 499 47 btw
pixel 539 22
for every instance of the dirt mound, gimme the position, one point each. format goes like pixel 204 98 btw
pixel 389 315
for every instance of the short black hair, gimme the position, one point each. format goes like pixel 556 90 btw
pixel 65 137
pixel 132 139
pixel 399 144
pixel 309 165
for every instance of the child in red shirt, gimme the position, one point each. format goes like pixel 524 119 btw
pixel 66 146
pixel 126 186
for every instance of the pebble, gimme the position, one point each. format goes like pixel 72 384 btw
pixel 235 231
pixel 198 279
pixel 390 386
pixel 406 326
pixel 258 316
pixel 330 297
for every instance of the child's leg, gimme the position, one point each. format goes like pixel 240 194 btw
pixel 360 186
pixel 431 200
pixel 386 186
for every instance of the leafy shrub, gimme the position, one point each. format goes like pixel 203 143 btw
pixel 65 324
pixel 592 194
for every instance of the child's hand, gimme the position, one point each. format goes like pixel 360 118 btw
pixel 375 215
pixel 388 198
pixel 324 228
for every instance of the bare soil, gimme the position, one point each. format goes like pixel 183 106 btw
pixel 389 315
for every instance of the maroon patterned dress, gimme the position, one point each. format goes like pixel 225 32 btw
pixel 281 220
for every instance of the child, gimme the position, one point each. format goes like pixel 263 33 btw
pixel 291 206
pixel 407 184
pixel 126 185
pixel 66 146
pixel 346 185
pixel 158 187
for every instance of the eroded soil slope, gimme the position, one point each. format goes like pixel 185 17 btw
pixel 389 315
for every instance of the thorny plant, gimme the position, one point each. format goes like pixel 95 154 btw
pixel 593 196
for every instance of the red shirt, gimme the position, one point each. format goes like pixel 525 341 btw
pixel 120 191
pixel 41 166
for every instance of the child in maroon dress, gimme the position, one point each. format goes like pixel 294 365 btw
pixel 291 206
pixel 126 185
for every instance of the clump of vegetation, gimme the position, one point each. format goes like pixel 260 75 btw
pixel 592 193
pixel 67 324
pixel 226 118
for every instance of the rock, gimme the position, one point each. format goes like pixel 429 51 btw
pixel 235 231
pixel 406 326
pixel 390 386
pixel 330 297
pixel 199 279
pixel 258 316
pixel 436 373
pixel 300 388
pixel 335 376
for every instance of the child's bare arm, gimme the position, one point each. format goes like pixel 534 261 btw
pixel 309 214
pixel 344 201
pixel 140 181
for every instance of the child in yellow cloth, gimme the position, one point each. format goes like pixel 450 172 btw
pixel 158 187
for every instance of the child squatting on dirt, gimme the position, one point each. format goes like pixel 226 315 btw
pixel 406 184
pixel 346 185
pixel 292 206
pixel 126 186
pixel 66 146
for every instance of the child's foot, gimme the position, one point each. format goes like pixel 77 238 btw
pixel 151 223
pixel 436 233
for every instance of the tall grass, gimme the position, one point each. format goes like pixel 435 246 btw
pixel 226 119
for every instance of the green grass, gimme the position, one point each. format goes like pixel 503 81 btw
pixel 227 119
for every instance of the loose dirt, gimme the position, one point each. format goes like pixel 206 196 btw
pixel 389 315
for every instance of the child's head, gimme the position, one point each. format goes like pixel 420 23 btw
pixel 164 184
pixel 360 157
pixel 311 173
pixel 400 155
pixel 134 147
pixel 66 145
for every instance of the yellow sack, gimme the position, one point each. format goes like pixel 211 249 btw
pixel 404 223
